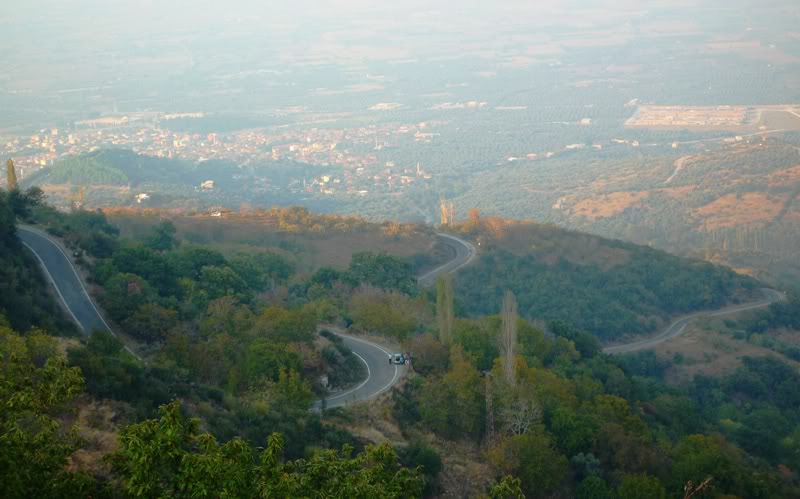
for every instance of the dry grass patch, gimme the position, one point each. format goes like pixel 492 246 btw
pixel 677 192
pixel 785 178
pixel 97 426
pixel 607 205
pixel 704 350
pixel 752 209
pixel 312 247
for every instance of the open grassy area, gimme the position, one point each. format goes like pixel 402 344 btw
pixel 311 247
pixel 709 347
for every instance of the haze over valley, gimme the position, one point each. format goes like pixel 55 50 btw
pixel 572 227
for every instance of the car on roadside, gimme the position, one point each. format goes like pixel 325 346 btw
pixel 397 359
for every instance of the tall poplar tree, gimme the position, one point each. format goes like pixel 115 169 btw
pixel 508 338
pixel 11 175
pixel 444 308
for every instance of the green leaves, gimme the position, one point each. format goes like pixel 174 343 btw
pixel 33 445
pixel 168 457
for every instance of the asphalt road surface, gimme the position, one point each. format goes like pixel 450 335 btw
pixel 464 254
pixel 64 279
pixel 679 326
pixel 381 374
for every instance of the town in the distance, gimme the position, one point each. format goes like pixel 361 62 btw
pixel 358 249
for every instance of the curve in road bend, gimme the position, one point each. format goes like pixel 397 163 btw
pixel 381 374
pixel 72 293
pixel 65 280
pixel 678 327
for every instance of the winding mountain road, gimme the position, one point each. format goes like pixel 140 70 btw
pixel 679 325
pixel 65 280
pixel 381 374
pixel 464 254
pixel 72 293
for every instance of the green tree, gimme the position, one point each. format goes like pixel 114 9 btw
pixel 163 236
pixel 262 271
pixel 112 372
pixel 266 359
pixel 34 446
pixel 389 313
pixel 453 405
pixel 148 264
pixel 430 356
pixel 189 261
pixel 574 430
pixel 383 271
pixel 151 322
pixel 478 338
pixel 507 488
pixel 444 308
pixel 697 457
pixel 419 455
pixel 169 457
pixel 593 487
pixel 226 315
pixel 284 325
pixel 24 203
pixel 533 458
pixel 641 487
pixel 223 281
pixel 124 294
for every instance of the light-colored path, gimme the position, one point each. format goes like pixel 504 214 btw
pixel 679 326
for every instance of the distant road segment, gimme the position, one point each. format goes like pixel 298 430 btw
pixel 465 252
pixel 678 327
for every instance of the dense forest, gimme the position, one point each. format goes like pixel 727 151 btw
pixel 609 288
pixel 496 405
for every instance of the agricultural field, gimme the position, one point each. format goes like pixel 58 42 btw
pixel 745 119
pixel 706 117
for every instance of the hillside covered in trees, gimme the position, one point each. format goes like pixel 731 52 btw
pixel 610 288
pixel 496 405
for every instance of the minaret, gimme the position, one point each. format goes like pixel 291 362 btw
pixel 11 175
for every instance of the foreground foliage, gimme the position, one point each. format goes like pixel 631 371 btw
pixel 169 457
